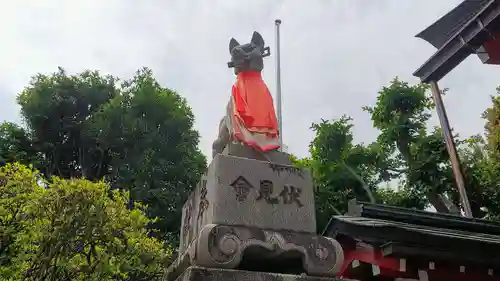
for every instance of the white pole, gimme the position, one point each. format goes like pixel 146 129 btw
pixel 278 83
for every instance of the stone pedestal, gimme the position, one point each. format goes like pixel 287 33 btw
pixel 252 214
pixel 208 274
pixel 247 192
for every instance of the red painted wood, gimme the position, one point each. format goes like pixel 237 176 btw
pixel 368 256
pixel 492 47
pixel 390 267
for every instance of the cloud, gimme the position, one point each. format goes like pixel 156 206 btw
pixel 336 55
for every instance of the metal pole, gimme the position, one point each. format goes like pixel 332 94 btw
pixel 450 146
pixel 278 83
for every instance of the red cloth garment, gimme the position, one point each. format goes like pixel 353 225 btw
pixel 253 116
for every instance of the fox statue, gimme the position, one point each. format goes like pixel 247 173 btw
pixel 250 117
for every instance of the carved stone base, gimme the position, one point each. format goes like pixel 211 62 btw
pixel 210 274
pixel 249 192
pixel 238 247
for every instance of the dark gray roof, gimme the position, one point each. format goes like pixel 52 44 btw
pixel 404 232
pixel 381 224
pixel 418 235
pixel 426 230
pixel 457 35
pixel 422 218
pixel 444 28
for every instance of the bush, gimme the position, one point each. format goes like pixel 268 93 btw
pixel 72 230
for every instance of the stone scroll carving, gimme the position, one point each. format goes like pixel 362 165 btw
pixel 222 246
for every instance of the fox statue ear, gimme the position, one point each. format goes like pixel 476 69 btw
pixel 257 39
pixel 233 43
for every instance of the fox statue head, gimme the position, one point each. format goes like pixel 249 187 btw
pixel 248 56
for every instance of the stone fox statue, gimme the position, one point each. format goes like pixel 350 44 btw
pixel 250 117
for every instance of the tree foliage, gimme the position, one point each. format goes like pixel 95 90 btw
pixel 341 169
pixel 72 230
pixel 419 157
pixel 147 133
pixel 16 145
pixel 408 164
pixel 492 127
pixel 55 109
pixel 484 159
pixel 136 134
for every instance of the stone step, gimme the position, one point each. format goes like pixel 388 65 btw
pixel 213 274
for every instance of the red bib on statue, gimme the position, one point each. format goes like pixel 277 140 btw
pixel 253 116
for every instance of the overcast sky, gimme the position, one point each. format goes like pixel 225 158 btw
pixel 336 54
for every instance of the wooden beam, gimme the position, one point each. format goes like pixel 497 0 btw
pixel 450 146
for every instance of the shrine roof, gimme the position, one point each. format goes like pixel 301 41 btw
pixel 457 35
pixel 444 28
pixel 406 232
pixel 426 230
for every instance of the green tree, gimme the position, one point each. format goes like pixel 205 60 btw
pixel 408 157
pixel 55 109
pixel 341 169
pixel 16 145
pixel 72 230
pixel 483 156
pixel 136 134
pixel 148 132
pixel 419 158
pixel 492 127
pixel 17 186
